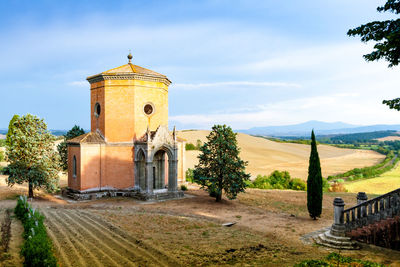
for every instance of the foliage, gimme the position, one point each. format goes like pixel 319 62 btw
pixel 2 142
pixel 337 187
pixel 37 248
pixel 335 259
pixel 360 137
pixel 386 34
pixel 220 167
pixel 190 146
pixel 62 147
pixel 2 158
pixel 278 180
pixel 369 172
pixel 31 154
pixel 314 182
pixel 11 130
pixel 184 187
pixel 189 175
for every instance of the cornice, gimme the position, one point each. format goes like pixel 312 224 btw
pixel 128 76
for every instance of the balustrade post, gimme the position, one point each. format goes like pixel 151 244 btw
pixel 338 228
pixel 362 211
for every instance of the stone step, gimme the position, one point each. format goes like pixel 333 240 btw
pixel 328 240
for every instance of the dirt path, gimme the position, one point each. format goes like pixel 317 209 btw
pixel 12 256
pixel 84 239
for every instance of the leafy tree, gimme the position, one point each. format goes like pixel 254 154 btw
pixel 386 34
pixel 314 182
pixel 220 167
pixel 62 147
pixel 11 129
pixel 31 154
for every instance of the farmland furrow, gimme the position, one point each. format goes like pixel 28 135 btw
pixel 59 250
pixel 59 236
pixel 141 257
pixel 98 257
pixel 156 256
pixel 101 241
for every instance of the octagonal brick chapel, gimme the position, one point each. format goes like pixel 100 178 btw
pixel 129 150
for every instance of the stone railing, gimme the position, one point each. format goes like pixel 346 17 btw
pixel 365 213
pixel 369 211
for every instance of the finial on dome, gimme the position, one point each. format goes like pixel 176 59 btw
pixel 130 57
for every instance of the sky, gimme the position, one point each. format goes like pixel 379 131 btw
pixel 241 63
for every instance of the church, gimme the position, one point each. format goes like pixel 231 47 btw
pixel 129 150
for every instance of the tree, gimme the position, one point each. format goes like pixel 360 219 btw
pixel 386 34
pixel 220 167
pixel 62 147
pixel 314 182
pixel 11 129
pixel 31 155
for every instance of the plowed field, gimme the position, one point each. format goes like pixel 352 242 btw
pixel 83 239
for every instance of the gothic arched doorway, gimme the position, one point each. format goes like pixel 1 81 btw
pixel 160 170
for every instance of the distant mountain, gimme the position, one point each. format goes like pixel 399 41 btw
pixel 320 128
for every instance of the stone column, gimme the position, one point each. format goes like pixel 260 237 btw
pixel 173 175
pixel 149 177
pixel 136 172
pixel 338 228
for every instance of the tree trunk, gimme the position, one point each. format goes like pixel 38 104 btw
pixel 218 197
pixel 30 190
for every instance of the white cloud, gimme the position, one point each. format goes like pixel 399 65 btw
pixel 347 107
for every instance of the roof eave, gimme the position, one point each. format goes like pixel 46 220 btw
pixel 128 76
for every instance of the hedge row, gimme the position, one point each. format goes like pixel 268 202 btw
pixel 37 249
pixel 369 172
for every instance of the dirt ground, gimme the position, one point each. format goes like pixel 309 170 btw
pixel 265 156
pixel 188 231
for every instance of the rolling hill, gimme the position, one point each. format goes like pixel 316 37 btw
pixel 265 156
pixel 320 128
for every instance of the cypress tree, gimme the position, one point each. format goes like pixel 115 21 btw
pixel 314 182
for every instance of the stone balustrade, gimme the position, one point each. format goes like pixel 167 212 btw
pixel 370 211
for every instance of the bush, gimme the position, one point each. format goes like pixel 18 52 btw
pixel 337 187
pixel 184 187
pixel 189 175
pixel 335 259
pixel 2 157
pixel 278 180
pixel 298 184
pixel 37 248
pixel 190 146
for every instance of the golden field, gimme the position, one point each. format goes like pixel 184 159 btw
pixel 265 156
pixel 385 183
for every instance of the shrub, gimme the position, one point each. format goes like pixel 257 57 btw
pixel 37 248
pixel 298 184
pixel 337 187
pixel 278 180
pixel 189 175
pixel 184 187
pixel 190 146
pixel 2 155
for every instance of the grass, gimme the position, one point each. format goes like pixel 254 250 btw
pixel 382 184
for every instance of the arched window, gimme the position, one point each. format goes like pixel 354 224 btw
pixel 97 110
pixel 74 167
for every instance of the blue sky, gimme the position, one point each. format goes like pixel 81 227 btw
pixel 242 63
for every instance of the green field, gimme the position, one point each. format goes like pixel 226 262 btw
pixel 382 184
